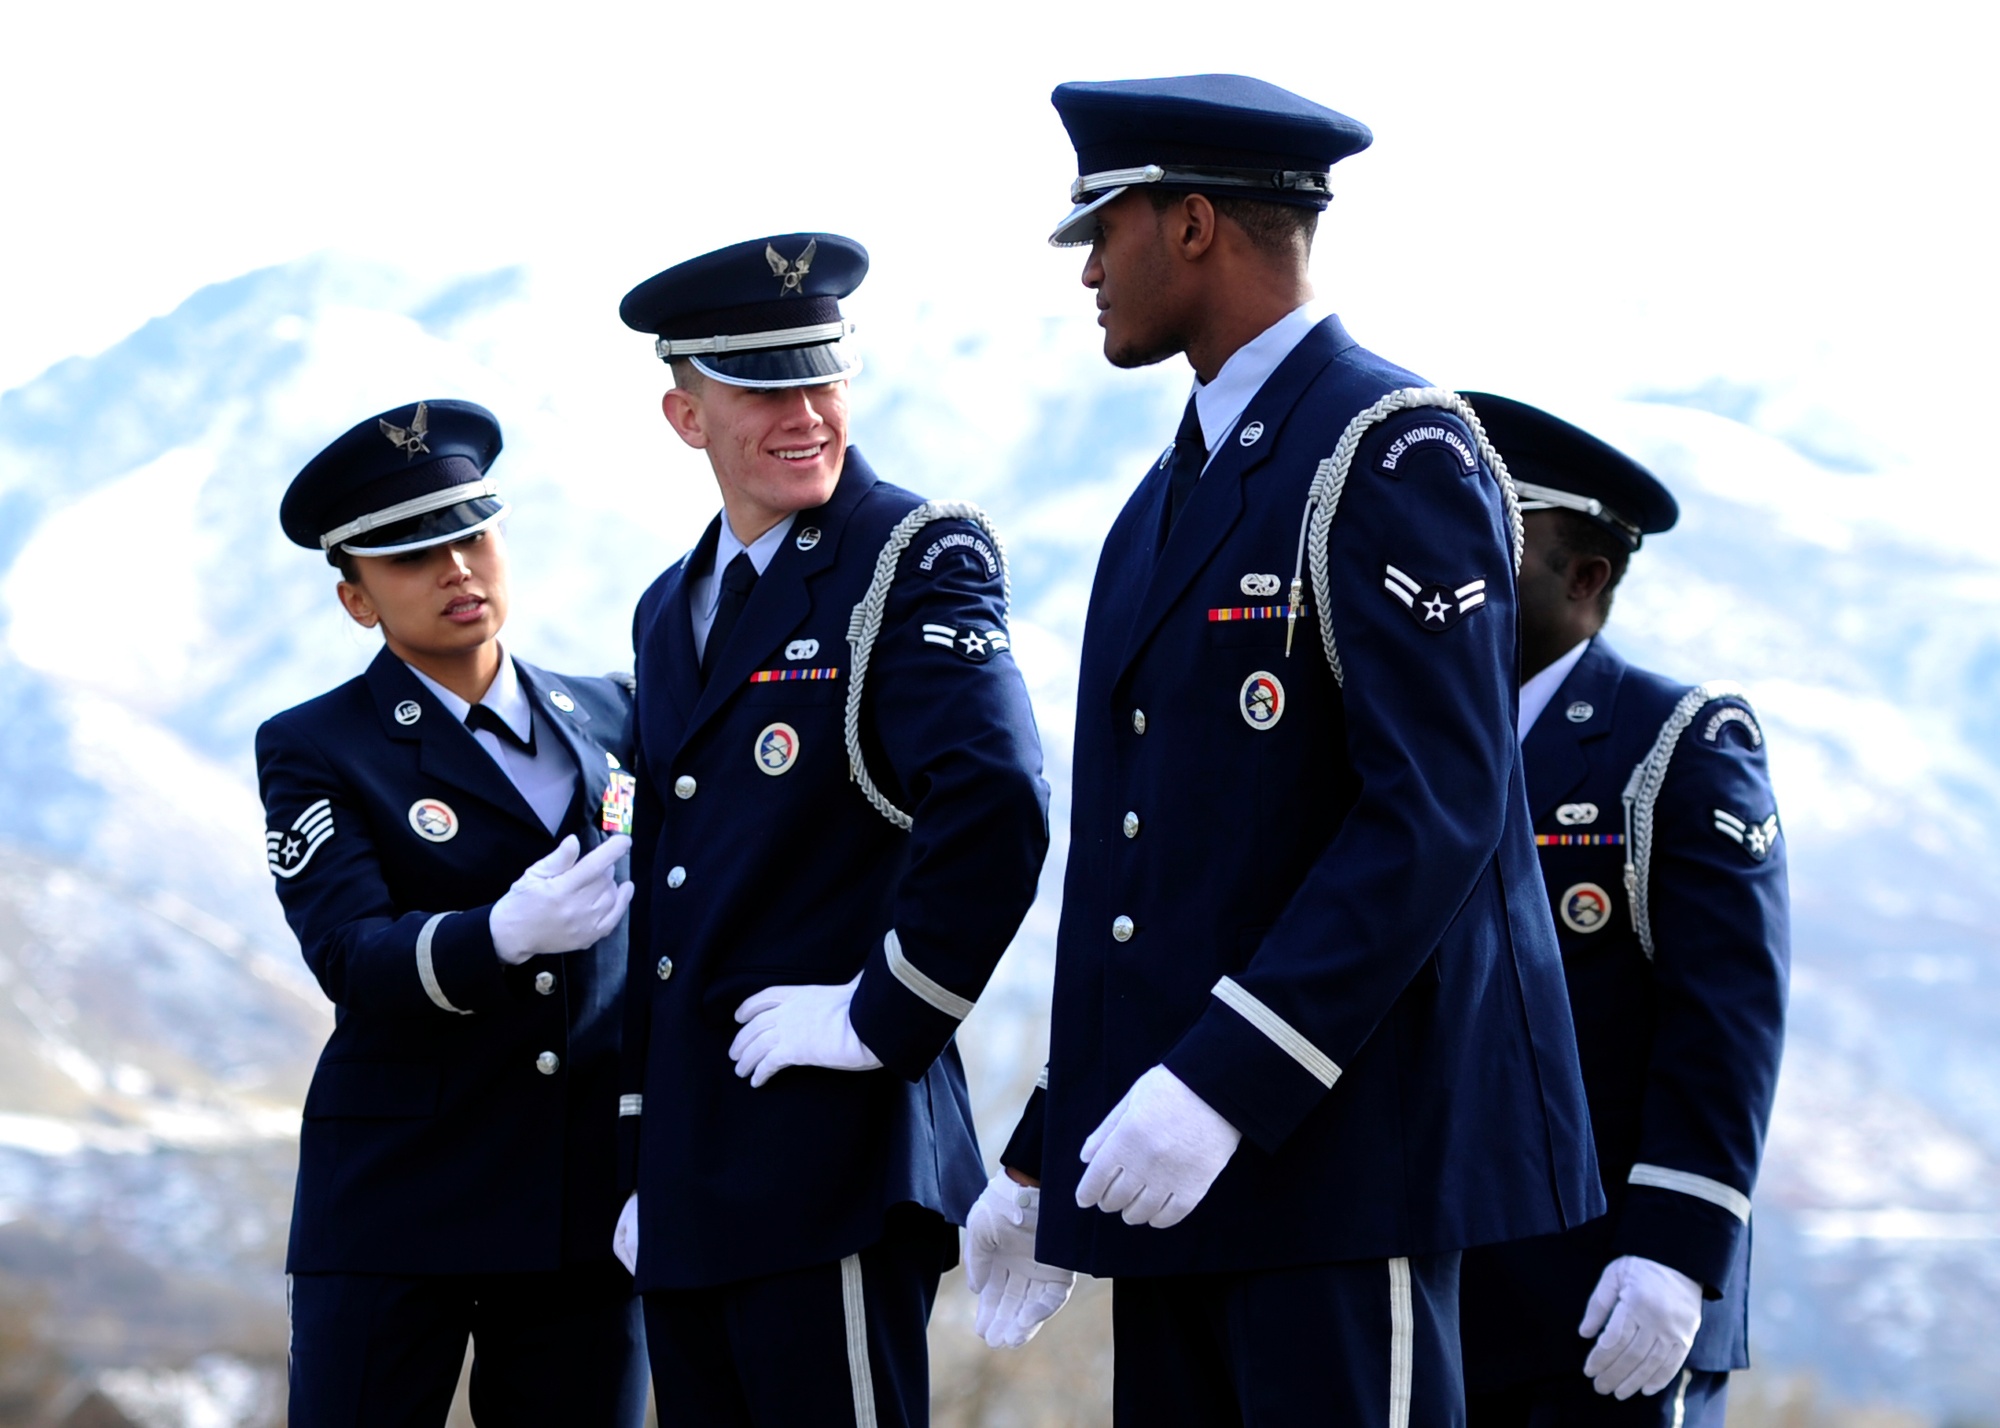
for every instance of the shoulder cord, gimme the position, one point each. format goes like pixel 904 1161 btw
pixel 1323 499
pixel 865 624
pixel 1642 793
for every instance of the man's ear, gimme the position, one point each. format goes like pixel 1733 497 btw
pixel 1588 575
pixel 1194 219
pixel 359 607
pixel 683 413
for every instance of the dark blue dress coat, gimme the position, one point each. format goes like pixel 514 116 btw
pixel 760 863
pixel 1680 1051
pixel 435 1141
pixel 1338 937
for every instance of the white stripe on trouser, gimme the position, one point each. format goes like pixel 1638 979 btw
pixel 855 1308
pixel 1402 1342
pixel 1681 1397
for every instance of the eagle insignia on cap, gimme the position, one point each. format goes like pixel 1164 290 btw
pixel 793 272
pixel 409 439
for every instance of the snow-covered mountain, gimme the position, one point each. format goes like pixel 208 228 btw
pixel 159 1026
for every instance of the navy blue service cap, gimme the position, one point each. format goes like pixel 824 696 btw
pixel 1221 134
pixel 765 313
pixel 1557 466
pixel 411 477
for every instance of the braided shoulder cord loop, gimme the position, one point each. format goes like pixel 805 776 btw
pixel 1323 500
pixel 864 624
pixel 1642 795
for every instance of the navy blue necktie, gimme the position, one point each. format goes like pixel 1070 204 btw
pixel 739 578
pixel 481 716
pixel 1190 455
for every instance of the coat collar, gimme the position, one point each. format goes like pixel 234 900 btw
pixel 1217 503
pixel 446 749
pixel 782 598
pixel 1557 749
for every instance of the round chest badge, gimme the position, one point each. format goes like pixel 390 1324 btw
pixel 1585 908
pixel 777 748
pixel 1261 701
pixel 433 820
pixel 408 712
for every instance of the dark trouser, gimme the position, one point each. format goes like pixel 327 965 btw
pixel 1693 1400
pixel 1362 1343
pixel 828 1346
pixel 385 1351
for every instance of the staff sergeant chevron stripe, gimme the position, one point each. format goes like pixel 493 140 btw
pixel 289 850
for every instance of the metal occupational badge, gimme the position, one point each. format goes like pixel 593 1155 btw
pixel 1261 701
pixel 1256 584
pixel 433 820
pixel 1571 814
pixel 801 649
pixel 1585 908
pixel 289 850
pixel 776 749
pixel 619 792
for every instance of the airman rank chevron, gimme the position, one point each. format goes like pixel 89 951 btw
pixel 1435 607
pixel 1756 839
pixel 978 643
pixel 289 850
pixel 1255 612
pixel 782 676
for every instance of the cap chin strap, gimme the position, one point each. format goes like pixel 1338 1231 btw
pixel 672 347
pixel 1311 181
pixel 402 511
pixel 1543 498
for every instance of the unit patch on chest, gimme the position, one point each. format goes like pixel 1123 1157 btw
pixel 776 749
pixel 434 820
pixel 1435 607
pixel 1586 907
pixel 1261 700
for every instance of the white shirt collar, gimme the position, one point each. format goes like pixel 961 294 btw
pixel 504 697
pixel 1539 689
pixel 1221 402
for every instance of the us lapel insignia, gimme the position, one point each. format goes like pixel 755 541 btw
pixel 408 712
pixel 1580 712
pixel 562 701
pixel 1251 433
pixel 807 538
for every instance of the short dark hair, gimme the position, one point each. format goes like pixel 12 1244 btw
pixel 687 376
pixel 344 563
pixel 1578 535
pixel 1275 229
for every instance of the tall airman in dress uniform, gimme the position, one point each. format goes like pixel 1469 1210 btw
pixel 446 831
pixel 1309 1037
pixel 1665 864
pixel 841 821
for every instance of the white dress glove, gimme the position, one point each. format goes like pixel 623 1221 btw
pixel 1648 1315
pixel 562 903
pixel 798 1026
pixel 625 1238
pixel 1156 1153
pixel 1017 1292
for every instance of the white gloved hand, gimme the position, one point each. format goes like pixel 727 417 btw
pixel 798 1026
pixel 1648 1315
pixel 1156 1154
pixel 625 1238
pixel 1017 1292
pixel 562 903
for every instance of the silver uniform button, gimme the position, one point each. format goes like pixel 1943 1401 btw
pixel 545 982
pixel 666 968
pixel 1121 928
pixel 676 875
pixel 1138 721
pixel 1131 825
pixel 548 1063
pixel 684 786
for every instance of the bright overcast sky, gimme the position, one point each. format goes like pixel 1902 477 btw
pixel 1587 199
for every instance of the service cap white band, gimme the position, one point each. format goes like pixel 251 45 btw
pixel 1542 498
pixel 671 347
pixel 403 510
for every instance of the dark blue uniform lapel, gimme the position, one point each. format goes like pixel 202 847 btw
pixel 1217 504
pixel 446 749
pixel 674 630
pixel 570 725
pixel 1558 749
pixel 782 598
